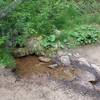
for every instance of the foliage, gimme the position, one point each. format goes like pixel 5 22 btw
pixel 49 41
pixel 2 40
pixel 85 34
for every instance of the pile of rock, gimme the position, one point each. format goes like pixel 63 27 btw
pixel 89 73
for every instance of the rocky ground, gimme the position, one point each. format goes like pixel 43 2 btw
pixel 44 87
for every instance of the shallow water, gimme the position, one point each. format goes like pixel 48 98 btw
pixel 30 65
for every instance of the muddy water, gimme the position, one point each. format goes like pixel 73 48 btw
pixel 30 65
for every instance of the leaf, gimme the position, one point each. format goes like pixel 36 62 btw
pixel 52 38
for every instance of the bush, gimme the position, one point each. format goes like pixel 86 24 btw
pixel 6 58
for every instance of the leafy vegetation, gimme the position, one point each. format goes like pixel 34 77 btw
pixel 66 22
pixel 6 59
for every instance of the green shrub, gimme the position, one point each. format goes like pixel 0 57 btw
pixel 2 41
pixel 6 59
pixel 49 41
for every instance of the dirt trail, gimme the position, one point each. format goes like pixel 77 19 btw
pixel 46 88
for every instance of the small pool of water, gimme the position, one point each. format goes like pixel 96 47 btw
pixel 30 65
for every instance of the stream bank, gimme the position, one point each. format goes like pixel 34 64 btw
pixel 53 85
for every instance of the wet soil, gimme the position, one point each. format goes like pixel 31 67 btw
pixel 30 65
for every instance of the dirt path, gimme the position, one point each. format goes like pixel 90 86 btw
pixel 45 88
pixel 92 53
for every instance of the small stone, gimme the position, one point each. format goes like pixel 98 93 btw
pixel 44 59
pixel 53 66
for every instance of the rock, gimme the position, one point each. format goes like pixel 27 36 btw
pixel 87 76
pixel 65 60
pixel 44 59
pixel 97 86
pixel 53 66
